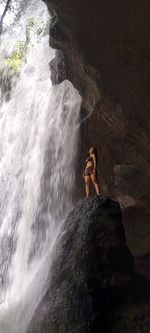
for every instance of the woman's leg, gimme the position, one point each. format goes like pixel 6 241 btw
pixel 95 183
pixel 87 185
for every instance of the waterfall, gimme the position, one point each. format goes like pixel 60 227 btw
pixel 38 141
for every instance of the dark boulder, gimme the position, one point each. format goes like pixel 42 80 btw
pixel 92 271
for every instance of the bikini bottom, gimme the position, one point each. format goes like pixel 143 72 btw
pixel 88 171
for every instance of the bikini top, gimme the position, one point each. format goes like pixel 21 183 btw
pixel 89 159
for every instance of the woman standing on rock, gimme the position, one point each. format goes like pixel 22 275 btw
pixel 90 172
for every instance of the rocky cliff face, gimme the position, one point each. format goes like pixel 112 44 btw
pixel 92 286
pixel 105 47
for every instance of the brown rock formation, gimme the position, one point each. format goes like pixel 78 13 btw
pixel 106 50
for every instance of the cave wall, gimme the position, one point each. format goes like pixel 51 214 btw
pixel 105 47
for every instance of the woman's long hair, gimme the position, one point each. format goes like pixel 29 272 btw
pixel 96 155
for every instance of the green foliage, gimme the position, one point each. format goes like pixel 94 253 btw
pixel 31 22
pixel 15 61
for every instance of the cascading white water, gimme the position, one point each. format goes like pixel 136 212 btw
pixel 38 137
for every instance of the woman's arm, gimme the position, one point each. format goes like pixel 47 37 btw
pixel 94 161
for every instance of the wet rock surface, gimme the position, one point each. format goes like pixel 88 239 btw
pixel 58 68
pixel 106 49
pixel 92 277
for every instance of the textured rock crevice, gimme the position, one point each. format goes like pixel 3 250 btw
pixel 106 50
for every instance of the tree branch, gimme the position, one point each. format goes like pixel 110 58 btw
pixel 3 15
